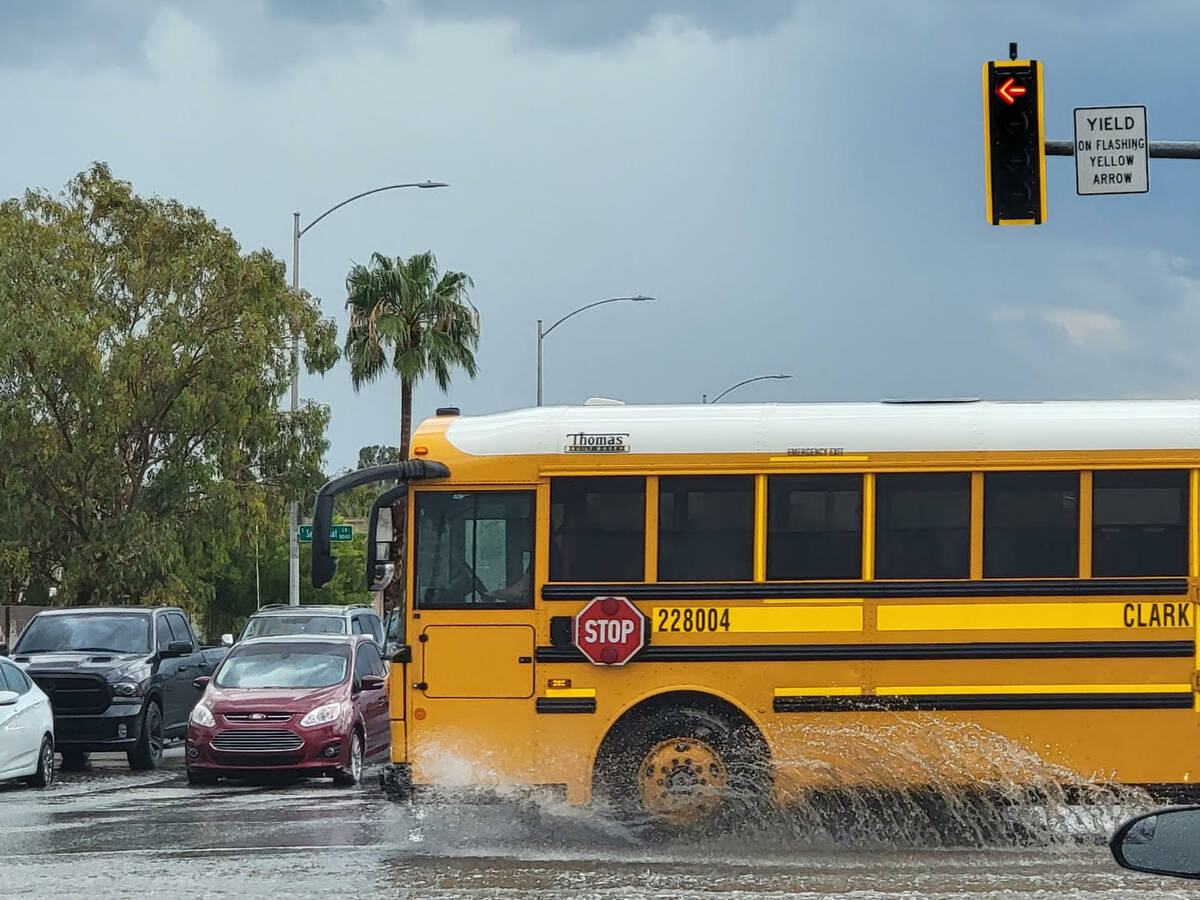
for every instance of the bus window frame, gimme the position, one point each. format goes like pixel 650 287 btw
pixel 413 600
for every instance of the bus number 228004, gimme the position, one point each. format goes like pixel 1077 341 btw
pixel 691 619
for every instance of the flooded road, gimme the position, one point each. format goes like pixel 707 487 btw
pixel 112 833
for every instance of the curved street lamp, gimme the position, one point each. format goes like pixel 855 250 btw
pixel 740 383
pixel 637 298
pixel 297 233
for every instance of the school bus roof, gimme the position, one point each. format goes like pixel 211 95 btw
pixel 817 429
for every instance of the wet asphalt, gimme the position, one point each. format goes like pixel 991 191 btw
pixel 109 832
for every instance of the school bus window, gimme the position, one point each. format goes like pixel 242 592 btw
pixel 814 527
pixel 923 525
pixel 705 528
pixel 1031 524
pixel 474 549
pixel 1139 523
pixel 597 529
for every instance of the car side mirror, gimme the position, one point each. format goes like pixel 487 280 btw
pixel 202 682
pixel 174 649
pixel 381 570
pixel 3 649
pixel 1163 842
pixel 227 640
pixel 372 683
pixel 8 698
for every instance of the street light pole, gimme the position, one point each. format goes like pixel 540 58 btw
pixel 541 335
pixel 740 383
pixel 638 298
pixel 294 509
pixel 297 233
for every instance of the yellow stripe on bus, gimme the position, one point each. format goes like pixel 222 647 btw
pixel 819 692
pixel 570 692
pixel 819 457
pixel 1020 616
pixel 749 619
pixel 905 690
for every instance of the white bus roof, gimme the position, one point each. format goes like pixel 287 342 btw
pixel 835 428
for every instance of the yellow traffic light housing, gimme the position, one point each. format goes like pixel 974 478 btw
pixel 1014 145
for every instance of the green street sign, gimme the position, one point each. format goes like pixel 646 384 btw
pixel 341 533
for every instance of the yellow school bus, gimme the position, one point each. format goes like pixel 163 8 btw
pixel 833 594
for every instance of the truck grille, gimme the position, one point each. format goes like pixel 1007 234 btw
pixel 257 717
pixel 257 740
pixel 74 694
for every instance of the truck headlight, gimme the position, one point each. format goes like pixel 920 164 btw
pixel 202 716
pixel 126 691
pixel 322 714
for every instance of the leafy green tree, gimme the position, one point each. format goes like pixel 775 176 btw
pixel 356 503
pixel 408 319
pixel 144 359
pixel 376 455
pixel 257 573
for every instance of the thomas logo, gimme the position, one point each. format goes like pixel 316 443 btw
pixel 582 442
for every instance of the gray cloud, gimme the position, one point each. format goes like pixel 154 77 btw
pixel 86 33
pixel 325 12
pixel 585 24
pixel 81 32
pixel 805 200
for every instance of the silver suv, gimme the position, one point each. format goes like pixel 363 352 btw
pixel 280 618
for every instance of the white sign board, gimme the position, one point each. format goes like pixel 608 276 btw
pixel 1112 155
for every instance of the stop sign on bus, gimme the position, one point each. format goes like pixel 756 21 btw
pixel 609 631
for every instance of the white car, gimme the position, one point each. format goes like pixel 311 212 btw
pixel 26 729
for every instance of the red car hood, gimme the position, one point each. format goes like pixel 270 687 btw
pixel 293 700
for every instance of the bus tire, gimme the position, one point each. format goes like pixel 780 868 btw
pixel 684 769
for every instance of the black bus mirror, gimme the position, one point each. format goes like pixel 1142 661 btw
pixel 381 569
pixel 323 563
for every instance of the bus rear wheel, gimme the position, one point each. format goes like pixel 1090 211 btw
pixel 684 769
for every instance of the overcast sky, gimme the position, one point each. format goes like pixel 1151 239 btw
pixel 800 184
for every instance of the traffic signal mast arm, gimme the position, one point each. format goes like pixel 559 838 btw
pixel 1159 149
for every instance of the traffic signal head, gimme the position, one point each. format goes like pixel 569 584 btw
pixel 1014 146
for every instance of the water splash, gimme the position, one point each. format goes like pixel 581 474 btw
pixel 907 782
pixel 916 782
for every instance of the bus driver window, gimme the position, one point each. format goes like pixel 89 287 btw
pixel 474 549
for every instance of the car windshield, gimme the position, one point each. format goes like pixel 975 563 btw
pixel 300 623
pixel 98 632
pixel 284 666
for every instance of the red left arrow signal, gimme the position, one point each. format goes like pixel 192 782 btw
pixel 1009 91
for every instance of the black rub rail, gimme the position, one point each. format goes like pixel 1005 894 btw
pixel 798 590
pixel 830 652
pixel 949 702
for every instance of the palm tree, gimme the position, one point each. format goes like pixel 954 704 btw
pixel 406 317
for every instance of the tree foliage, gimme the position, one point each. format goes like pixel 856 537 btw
pixel 257 573
pixel 144 358
pixel 376 455
pixel 408 319
pixel 356 502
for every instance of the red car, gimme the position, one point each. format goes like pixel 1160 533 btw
pixel 313 705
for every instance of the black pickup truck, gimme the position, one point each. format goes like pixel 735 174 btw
pixel 118 678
